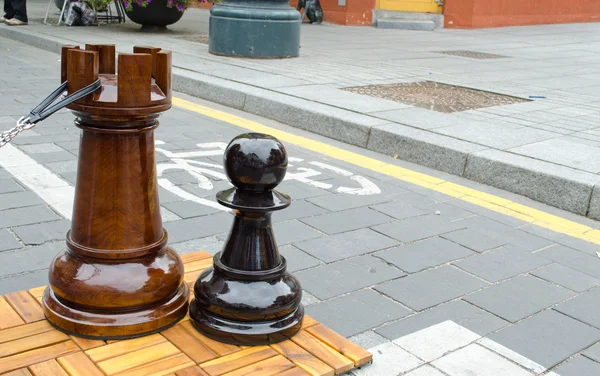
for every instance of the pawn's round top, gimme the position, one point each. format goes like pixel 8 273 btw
pixel 255 162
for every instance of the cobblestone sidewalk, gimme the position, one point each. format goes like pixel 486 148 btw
pixel 433 285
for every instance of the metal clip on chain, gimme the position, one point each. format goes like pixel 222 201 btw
pixel 43 110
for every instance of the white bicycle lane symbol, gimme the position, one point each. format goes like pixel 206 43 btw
pixel 202 171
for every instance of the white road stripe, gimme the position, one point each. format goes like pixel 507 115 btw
pixel 57 192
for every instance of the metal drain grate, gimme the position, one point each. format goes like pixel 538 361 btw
pixel 472 54
pixel 198 38
pixel 436 96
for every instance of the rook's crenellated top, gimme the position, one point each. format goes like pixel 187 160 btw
pixel 141 87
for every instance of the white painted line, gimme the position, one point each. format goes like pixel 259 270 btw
pixel 434 342
pixel 58 193
pixel 389 359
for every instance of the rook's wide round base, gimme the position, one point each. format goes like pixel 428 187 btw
pixel 244 332
pixel 102 325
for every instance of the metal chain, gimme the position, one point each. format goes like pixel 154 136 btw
pixel 23 124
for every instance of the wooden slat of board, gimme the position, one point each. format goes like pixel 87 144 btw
pixel 191 371
pixel 23 331
pixel 328 355
pixel 10 318
pixel 188 344
pixel 237 360
pixel 78 364
pixel 345 347
pixel 37 292
pixel 303 359
pixel 195 256
pixel 47 368
pixel 269 367
pixel 293 372
pixel 160 367
pixel 11 363
pixel 308 321
pixel 137 358
pixel 19 372
pixel 33 342
pixel 198 265
pixel 119 348
pixel 25 305
pixel 219 348
pixel 86 344
pixel 191 277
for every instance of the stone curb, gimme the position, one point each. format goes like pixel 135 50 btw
pixel 562 187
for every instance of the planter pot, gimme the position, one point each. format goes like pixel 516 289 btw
pixel 155 17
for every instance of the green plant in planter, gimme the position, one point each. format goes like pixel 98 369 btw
pixel 99 5
pixel 181 5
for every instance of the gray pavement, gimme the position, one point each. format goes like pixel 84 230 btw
pixel 546 149
pixel 432 284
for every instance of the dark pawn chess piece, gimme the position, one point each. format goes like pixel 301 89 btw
pixel 247 297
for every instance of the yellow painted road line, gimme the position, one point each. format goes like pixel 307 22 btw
pixel 479 198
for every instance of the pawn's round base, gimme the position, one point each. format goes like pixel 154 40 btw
pixel 246 333
pixel 101 325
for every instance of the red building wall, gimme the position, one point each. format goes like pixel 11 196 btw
pixel 494 13
pixel 354 13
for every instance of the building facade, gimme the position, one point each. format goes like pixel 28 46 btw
pixel 461 13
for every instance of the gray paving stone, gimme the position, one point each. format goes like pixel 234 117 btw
pixel 189 209
pixel 449 211
pixel 431 287
pixel 458 311
pixel 328 281
pixel 40 233
pixel 353 219
pixel 518 298
pixel 300 191
pixel 28 259
pixel 23 281
pixel 70 177
pixel 399 210
pixel 424 254
pixel 502 263
pixel 594 209
pixel 566 277
pixel 294 231
pixel 41 148
pixel 8 241
pixel 25 216
pixel 505 233
pixel 564 152
pixel 297 210
pixel 297 259
pixel 346 314
pixel 368 339
pixel 573 259
pixel 53 157
pixel 474 240
pixel 418 228
pixel 349 244
pixel 583 307
pixel 65 166
pixel 199 227
pixel 209 244
pixel 340 202
pixel 418 200
pixel 9 185
pixel 578 366
pixel 547 338
pixel 593 352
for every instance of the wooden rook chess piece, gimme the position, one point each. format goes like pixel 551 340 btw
pixel 247 297
pixel 117 278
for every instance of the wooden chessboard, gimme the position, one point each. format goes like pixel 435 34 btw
pixel 29 345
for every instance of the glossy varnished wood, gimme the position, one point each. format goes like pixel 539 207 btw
pixel 36 348
pixel 116 278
